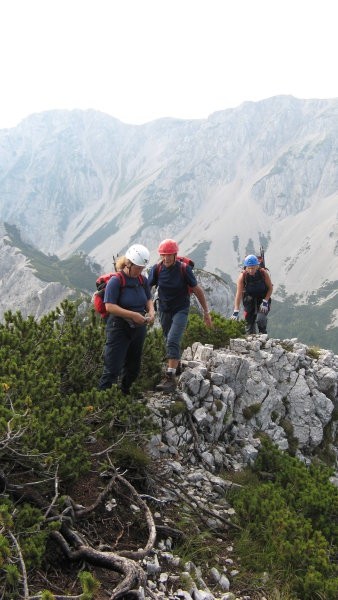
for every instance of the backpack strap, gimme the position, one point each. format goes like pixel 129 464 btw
pixel 159 266
pixel 157 272
pixel 261 270
pixel 123 282
pixel 184 271
pixel 183 268
pixel 121 277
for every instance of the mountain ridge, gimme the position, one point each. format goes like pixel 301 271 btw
pixel 82 182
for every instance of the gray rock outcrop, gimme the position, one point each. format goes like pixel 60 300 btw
pixel 257 385
pixel 226 398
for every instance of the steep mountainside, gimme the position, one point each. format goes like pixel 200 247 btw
pixel 21 287
pixel 264 172
pixel 35 284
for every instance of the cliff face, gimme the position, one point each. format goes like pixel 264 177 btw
pixel 264 172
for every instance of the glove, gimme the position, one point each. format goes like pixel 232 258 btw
pixel 234 316
pixel 264 307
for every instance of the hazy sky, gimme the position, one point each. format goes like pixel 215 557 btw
pixel 140 60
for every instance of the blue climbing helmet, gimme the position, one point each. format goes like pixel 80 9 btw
pixel 251 261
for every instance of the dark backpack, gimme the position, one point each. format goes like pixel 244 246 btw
pixel 101 284
pixel 184 262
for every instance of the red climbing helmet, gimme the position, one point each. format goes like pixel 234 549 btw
pixel 168 247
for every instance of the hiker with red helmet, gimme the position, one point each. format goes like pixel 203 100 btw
pixel 130 309
pixel 175 282
pixel 254 288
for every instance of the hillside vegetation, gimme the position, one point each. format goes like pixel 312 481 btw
pixel 74 272
pixel 66 448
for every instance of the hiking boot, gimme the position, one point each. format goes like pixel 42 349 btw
pixel 168 384
pixel 179 369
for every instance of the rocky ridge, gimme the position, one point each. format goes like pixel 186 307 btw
pixel 210 426
pixel 21 289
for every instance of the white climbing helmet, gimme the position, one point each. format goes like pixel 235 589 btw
pixel 138 255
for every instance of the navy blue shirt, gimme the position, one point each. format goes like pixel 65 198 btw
pixel 133 296
pixel 173 283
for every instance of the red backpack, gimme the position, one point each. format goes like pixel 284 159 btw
pixel 101 283
pixel 184 262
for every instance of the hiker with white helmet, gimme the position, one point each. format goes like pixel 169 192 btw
pixel 130 308
pixel 254 289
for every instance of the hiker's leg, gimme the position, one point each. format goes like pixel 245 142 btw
pixel 115 351
pixel 250 326
pixel 250 315
pixel 262 320
pixel 173 346
pixel 174 337
pixel 132 364
pixel 173 327
pixel 166 319
pixel 166 322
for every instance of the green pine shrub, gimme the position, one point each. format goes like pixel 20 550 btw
pixel 290 525
pixel 154 354
pixel 48 388
pixel 130 455
pixel 218 335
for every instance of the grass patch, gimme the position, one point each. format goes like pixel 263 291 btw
pixel 313 352
pixel 250 411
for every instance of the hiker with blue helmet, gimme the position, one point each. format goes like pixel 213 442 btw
pixel 130 309
pixel 254 289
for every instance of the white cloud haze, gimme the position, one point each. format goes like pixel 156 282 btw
pixel 140 60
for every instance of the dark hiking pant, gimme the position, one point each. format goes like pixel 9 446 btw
pixel 252 315
pixel 122 353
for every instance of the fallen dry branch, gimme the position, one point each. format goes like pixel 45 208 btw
pixel 77 548
pixel 124 561
pixel 133 574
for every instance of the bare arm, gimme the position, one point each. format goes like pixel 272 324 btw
pixel 199 293
pixel 150 311
pixel 268 284
pixel 239 292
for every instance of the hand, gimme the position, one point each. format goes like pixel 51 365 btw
pixel 235 315
pixel 264 307
pixel 150 318
pixel 207 319
pixel 139 319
